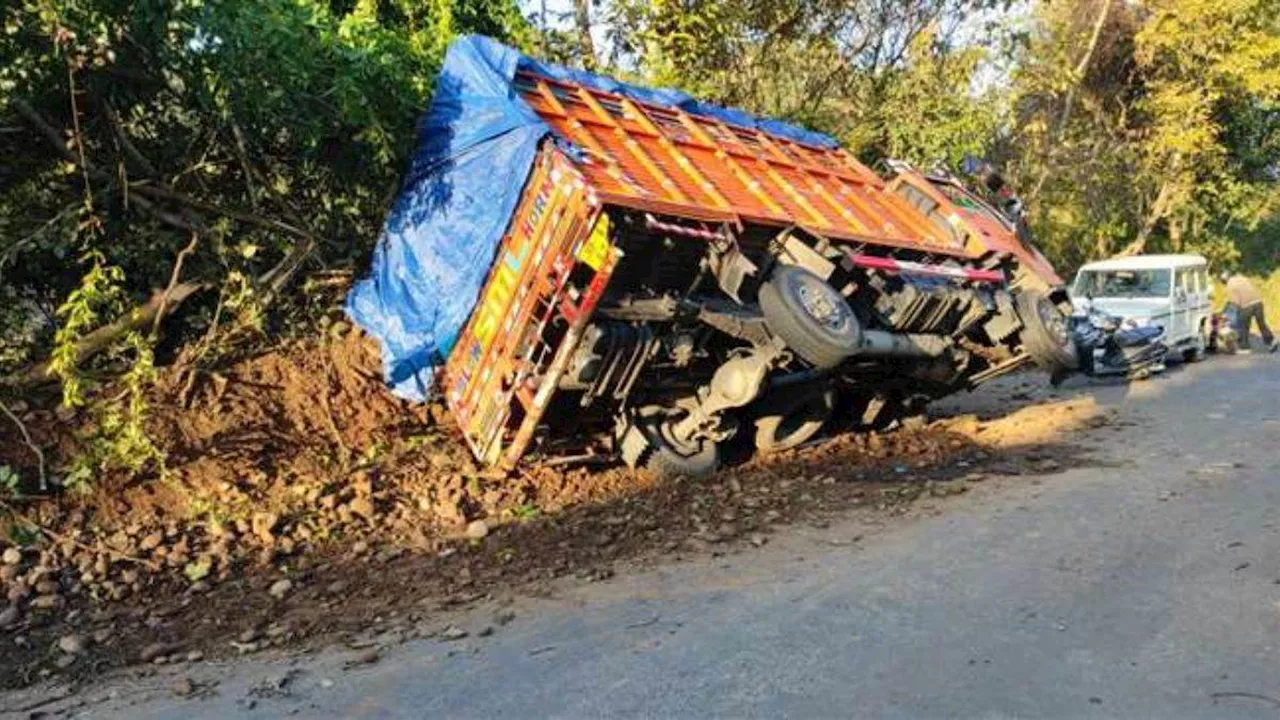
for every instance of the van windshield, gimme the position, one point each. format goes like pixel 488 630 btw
pixel 1124 283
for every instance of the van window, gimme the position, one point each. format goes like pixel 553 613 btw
pixel 1124 283
pixel 1182 280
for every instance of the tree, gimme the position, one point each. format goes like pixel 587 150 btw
pixel 272 131
pixel 196 155
pixel 1200 60
pixel 883 75
pixel 1167 139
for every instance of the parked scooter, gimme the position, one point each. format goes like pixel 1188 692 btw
pixel 1110 346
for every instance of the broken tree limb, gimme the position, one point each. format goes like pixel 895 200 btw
pixel 26 437
pixel 150 191
pixel 275 279
pixel 173 282
pixel 142 317
pixel 46 128
pixel 159 193
pixel 149 196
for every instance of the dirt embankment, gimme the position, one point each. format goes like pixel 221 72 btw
pixel 300 499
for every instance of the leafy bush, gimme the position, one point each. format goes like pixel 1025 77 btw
pixel 209 149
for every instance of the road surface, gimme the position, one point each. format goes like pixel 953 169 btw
pixel 1144 582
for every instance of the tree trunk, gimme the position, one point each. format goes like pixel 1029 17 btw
pixel 1159 209
pixel 1077 77
pixel 586 46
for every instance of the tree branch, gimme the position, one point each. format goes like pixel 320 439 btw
pixel 26 437
pixel 157 192
pixel 51 133
pixel 147 314
pixel 173 281
pixel 130 150
pixel 1077 77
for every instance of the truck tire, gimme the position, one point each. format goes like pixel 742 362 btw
pixel 813 319
pixel 1045 335
pixel 647 445
pixel 788 419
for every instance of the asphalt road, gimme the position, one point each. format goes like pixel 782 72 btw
pixel 1144 582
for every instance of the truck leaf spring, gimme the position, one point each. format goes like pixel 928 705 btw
pixel 627 350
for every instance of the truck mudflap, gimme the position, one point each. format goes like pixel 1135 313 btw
pixel 550 271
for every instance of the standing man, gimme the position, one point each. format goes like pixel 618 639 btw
pixel 1245 296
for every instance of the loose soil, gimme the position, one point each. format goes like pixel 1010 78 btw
pixel 300 502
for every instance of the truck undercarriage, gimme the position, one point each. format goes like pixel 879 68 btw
pixel 704 334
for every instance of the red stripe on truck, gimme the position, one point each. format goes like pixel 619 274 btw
pixel 871 262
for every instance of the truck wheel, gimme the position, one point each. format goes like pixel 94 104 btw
pixel 1045 334
pixel 810 316
pixel 789 419
pixel 647 444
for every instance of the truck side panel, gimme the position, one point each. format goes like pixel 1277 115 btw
pixel 502 359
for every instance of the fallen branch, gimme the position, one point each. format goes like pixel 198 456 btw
pixel 160 193
pixel 36 120
pixel 163 301
pixel 26 437
pixel 147 196
pixel 151 192
pixel 277 277
pixel 173 282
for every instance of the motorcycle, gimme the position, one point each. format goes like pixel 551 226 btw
pixel 1110 346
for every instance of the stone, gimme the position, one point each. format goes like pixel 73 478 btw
pixel 183 687
pixel 151 542
pixel 12 556
pixel 477 529
pixel 73 644
pixel 47 602
pixel 362 506
pixel 453 632
pixel 154 651
pixel 264 525
pixel 280 588
pixel 9 616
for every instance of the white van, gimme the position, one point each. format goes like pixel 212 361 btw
pixel 1173 291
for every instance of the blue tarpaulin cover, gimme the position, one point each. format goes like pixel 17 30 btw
pixel 476 148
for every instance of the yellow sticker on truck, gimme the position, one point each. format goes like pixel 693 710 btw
pixel 596 248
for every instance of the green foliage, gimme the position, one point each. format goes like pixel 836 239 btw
pixel 294 111
pixel 929 113
pixel 525 512
pixel 10 480
pixel 847 67
pixel 1171 144
pixel 99 294
pixel 265 125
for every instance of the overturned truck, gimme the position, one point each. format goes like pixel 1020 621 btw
pixel 670 275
